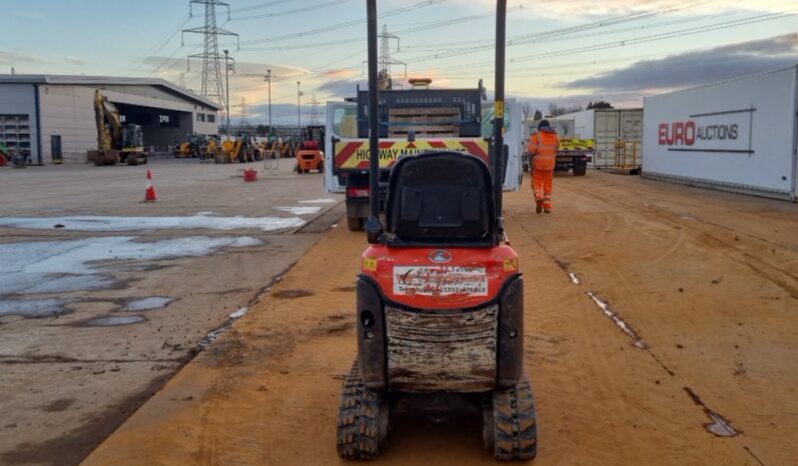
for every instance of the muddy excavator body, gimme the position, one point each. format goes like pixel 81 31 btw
pixel 440 295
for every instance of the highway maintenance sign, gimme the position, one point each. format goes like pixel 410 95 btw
pixel 353 154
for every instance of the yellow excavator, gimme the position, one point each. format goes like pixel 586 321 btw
pixel 116 142
pixel 243 149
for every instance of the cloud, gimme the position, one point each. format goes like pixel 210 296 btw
pixel 282 114
pixel 337 73
pixel 342 88
pixel 75 60
pixel 261 69
pixel 695 68
pixel 14 58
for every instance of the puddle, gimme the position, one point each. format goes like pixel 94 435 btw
pixel 33 308
pixel 325 200
pixel 108 223
pixel 114 321
pixel 55 283
pixel 300 210
pixel 605 308
pixel 73 265
pixel 574 278
pixel 239 313
pixel 146 304
pixel 718 425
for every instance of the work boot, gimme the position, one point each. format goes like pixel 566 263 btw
pixel 538 206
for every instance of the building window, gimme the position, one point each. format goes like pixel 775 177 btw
pixel 163 119
pixel 200 117
pixel 211 118
pixel 122 118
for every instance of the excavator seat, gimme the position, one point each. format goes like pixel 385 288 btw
pixel 440 197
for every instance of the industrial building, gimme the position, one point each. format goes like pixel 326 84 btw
pixel 50 116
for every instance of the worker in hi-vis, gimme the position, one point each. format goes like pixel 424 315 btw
pixel 543 147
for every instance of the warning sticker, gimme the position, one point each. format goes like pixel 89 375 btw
pixel 354 153
pixel 440 280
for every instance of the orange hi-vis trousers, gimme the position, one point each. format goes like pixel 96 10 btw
pixel 542 184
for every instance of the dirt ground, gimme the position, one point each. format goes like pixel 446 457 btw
pixel 705 283
pixel 69 379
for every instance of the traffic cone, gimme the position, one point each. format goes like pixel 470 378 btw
pixel 149 194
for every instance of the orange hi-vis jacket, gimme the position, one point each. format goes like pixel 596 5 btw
pixel 543 146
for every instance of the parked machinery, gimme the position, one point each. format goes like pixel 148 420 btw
pixel 195 147
pixel 211 150
pixel 116 142
pixel 243 149
pixel 17 158
pixel 310 153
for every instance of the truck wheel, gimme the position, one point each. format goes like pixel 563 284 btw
pixel 363 417
pixel 509 422
pixel 321 167
pixel 580 169
pixel 354 223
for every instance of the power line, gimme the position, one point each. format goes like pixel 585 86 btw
pixel 259 6
pixel 527 38
pixel 618 31
pixel 355 22
pixel 621 43
pixel 163 44
pixel 303 9
pixel 561 31
pixel 169 57
pixel 657 37
pixel 415 28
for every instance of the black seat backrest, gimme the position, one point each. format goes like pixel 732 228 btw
pixel 440 196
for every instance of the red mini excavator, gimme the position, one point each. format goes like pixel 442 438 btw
pixel 440 296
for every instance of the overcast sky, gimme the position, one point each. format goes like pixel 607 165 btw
pixel 563 51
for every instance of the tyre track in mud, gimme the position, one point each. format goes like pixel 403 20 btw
pixel 763 269
pixel 786 280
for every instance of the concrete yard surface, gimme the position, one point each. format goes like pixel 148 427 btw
pixel 104 298
pixel 660 330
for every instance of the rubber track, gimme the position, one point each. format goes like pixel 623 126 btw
pixel 515 424
pixel 358 414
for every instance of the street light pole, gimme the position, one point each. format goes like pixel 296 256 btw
pixel 298 117
pixel 227 89
pixel 269 80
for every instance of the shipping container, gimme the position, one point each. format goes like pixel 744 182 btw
pixel 738 135
pixel 564 128
pixel 606 127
